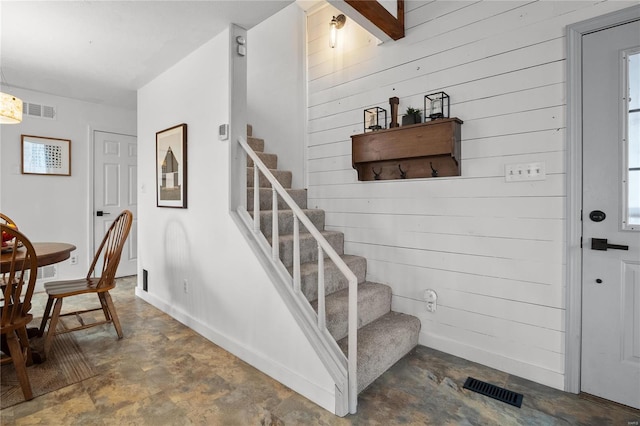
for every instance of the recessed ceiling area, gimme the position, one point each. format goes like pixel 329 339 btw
pixel 103 51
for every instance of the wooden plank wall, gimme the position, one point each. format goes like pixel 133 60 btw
pixel 493 251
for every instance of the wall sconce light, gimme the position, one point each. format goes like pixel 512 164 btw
pixel 336 23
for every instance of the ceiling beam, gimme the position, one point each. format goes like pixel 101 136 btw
pixel 374 17
pixel 380 17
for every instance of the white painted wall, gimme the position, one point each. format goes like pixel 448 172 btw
pixel 57 208
pixel 493 251
pixel 276 84
pixel 230 299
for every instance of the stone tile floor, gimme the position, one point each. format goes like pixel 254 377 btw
pixel 163 373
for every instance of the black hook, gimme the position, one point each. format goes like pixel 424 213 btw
pixel 376 175
pixel 434 172
pixel 403 174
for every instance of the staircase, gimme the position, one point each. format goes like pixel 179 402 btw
pixel 384 336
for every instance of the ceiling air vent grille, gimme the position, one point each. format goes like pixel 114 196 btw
pixel 37 110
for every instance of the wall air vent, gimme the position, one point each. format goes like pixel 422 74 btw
pixel 31 109
pixel 46 272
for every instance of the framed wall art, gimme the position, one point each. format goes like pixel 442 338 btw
pixel 171 167
pixel 45 156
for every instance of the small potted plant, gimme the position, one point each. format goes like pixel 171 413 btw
pixel 412 116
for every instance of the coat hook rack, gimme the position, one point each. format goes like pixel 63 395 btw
pixel 434 172
pixel 376 174
pixel 403 174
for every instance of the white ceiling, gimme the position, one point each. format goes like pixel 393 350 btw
pixel 103 51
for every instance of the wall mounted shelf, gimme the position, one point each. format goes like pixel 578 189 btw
pixel 422 150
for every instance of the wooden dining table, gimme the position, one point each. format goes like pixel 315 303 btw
pixel 46 254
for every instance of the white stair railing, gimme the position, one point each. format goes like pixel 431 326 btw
pixel 323 248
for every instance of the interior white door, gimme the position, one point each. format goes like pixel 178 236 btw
pixel 115 182
pixel 611 270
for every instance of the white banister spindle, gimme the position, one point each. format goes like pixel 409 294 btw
pixel 256 198
pixel 296 254
pixel 275 236
pixel 322 321
pixel 352 364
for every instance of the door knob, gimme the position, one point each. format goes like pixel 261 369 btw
pixel 602 244
pixel 101 213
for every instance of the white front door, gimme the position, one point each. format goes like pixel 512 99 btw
pixel 115 182
pixel 611 226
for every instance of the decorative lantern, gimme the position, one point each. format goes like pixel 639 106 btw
pixel 436 105
pixel 375 119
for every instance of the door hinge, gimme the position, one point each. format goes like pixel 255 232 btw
pixel 580 242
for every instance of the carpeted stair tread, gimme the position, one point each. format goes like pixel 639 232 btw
pixel 308 246
pixel 285 221
pixel 382 343
pixel 334 280
pixel 266 199
pixel 269 160
pixel 256 144
pixel 374 301
pixel 282 176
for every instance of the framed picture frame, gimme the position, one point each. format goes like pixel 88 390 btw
pixel 45 156
pixel 171 167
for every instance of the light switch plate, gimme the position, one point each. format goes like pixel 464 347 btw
pixel 524 172
pixel 223 132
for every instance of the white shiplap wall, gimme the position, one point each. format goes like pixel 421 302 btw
pixel 493 251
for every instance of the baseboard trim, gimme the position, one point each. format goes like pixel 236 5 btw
pixel 494 360
pixel 273 369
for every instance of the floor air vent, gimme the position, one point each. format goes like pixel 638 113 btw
pixel 493 391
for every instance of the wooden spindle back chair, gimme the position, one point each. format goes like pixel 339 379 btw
pixel 17 286
pixel 100 279
pixel 6 220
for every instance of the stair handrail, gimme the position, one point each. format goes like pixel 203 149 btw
pixel 323 245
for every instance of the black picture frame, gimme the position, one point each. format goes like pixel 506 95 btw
pixel 171 167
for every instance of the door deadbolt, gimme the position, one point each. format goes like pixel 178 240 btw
pixel 597 216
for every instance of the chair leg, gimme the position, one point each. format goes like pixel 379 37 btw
pixel 45 317
pixel 23 338
pixel 15 351
pixel 53 324
pixel 105 307
pixel 114 315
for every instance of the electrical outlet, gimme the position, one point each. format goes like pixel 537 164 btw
pixel 74 260
pixel 431 297
pixel 185 285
